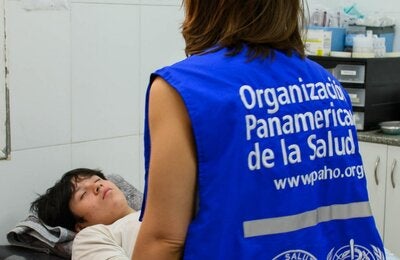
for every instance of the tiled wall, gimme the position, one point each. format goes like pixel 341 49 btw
pixel 77 83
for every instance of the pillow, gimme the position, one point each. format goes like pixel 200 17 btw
pixel 133 195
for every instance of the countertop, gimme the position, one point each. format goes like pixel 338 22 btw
pixel 376 136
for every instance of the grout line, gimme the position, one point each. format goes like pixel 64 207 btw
pixel 122 3
pixel 70 86
pixel 7 92
pixel 78 142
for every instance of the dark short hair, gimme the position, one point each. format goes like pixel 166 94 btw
pixel 261 25
pixel 53 206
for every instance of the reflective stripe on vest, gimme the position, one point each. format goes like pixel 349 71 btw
pixel 269 226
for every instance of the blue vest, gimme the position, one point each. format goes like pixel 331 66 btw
pixel 279 170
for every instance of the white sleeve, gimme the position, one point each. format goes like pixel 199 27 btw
pixel 97 242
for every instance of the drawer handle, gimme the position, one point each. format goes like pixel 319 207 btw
pixel 348 72
pixel 376 170
pixel 392 173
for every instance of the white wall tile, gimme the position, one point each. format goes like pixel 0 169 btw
pixel 142 2
pixel 26 174
pixel 161 42
pixel 161 2
pixel 105 71
pixel 366 7
pixel 39 80
pixel 112 156
pixel 3 103
pixel 136 2
pixel 141 162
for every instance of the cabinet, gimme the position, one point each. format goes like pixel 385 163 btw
pixel 392 208
pixel 373 85
pixel 382 166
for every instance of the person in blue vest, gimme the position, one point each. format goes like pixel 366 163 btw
pixel 251 151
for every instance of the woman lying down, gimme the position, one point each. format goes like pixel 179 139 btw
pixel 84 201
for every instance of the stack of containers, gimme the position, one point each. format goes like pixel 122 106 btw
pixel 336 34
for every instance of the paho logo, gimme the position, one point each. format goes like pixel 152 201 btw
pixel 353 251
pixel 295 255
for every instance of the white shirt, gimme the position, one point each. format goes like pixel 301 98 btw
pixel 100 242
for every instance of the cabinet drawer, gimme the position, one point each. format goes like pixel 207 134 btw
pixel 348 73
pixel 357 96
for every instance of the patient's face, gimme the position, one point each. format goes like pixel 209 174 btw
pixel 97 201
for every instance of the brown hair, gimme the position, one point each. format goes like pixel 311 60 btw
pixel 53 206
pixel 262 25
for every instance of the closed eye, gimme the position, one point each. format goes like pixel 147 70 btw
pixel 83 195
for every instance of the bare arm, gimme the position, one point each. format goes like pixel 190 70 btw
pixel 172 177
